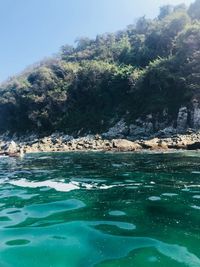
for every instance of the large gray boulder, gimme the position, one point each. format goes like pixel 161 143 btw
pixel 125 145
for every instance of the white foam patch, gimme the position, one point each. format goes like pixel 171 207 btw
pixel 195 207
pixel 66 187
pixel 104 187
pixel 117 213
pixel 185 190
pixel 58 186
pixel 169 194
pixel 196 196
pixel 154 198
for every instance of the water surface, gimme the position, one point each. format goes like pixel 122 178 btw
pixel 100 209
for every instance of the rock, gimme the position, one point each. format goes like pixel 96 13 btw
pixel 163 144
pixel 182 119
pixel 193 146
pixel 12 147
pixel 166 132
pixel 196 114
pixel 125 145
pixel 98 137
pixel 190 131
pixel 79 147
pixel 120 130
pixel 141 128
pixel 66 138
pixel 150 144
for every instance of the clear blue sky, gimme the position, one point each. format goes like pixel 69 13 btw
pixel 33 29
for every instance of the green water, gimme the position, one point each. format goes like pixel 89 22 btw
pixel 100 209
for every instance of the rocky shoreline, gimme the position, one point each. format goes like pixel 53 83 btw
pixel 13 146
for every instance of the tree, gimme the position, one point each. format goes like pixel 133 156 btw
pixel 188 42
pixel 165 11
pixel 82 43
pixel 194 10
pixel 66 50
pixel 142 25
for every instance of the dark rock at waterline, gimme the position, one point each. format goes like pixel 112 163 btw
pixel 193 146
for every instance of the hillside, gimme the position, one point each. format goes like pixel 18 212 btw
pixel 135 82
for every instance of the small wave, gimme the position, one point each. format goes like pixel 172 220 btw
pixel 154 198
pixel 58 186
pixel 64 187
pixel 196 196
pixel 169 194
pixel 195 207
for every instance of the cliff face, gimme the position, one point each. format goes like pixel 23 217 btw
pixel 140 82
pixel 187 121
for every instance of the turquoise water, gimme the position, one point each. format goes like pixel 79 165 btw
pixel 100 209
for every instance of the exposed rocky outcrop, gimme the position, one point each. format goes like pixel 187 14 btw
pixel 141 128
pixel 60 142
pixel 196 114
pixel 119 130
pixel 152 126
pixel 182 120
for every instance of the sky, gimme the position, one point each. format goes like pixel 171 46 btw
pixel 34 29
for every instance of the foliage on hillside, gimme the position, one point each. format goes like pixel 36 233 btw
pixel 148 68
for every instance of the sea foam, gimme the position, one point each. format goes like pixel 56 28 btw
pixel 58 186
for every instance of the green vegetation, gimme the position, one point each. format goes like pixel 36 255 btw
pixel 148 68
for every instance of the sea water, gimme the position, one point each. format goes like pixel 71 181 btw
pixel 100 209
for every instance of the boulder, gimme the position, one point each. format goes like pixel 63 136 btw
pixel 125 145
pixel 153 144
pixel 193 146
pixel 12 147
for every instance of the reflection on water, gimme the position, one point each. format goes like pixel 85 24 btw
pixel 100 209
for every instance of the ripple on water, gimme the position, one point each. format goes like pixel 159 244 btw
pixel 185 190
pixel 57 226
pixel 132 187
pixel 169 194
pixel 17 242
pixel 108 247
pixel 121 225
pixel 196 196
pixel 44 210
pixel 13 211
pixel 117 213
pixel 195 207
pixel 154 198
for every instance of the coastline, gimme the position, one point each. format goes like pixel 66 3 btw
pixel 12 146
